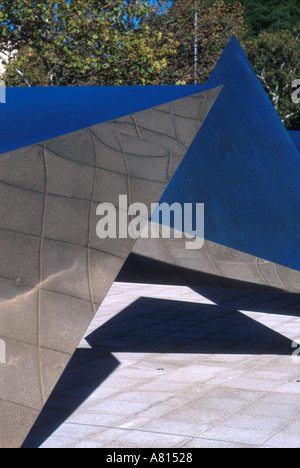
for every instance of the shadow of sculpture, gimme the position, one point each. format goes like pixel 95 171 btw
pixel 141 269
pixel 163 326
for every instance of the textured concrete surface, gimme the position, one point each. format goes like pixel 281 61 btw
pixel 219 261
pixel 167 366
pixel 54 270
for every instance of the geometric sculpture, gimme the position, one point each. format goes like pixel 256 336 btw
pixel 62 152
pixel 245 169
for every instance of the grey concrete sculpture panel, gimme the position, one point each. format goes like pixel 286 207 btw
pixel 54 270
pixel 220 261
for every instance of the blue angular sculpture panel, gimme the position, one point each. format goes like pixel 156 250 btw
pixel 295 137
pixel 245 168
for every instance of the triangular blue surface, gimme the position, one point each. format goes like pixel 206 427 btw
pixel 245 169
pixel 295 136
pixel 32 115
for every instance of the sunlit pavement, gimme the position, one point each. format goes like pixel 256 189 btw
pixel 172 367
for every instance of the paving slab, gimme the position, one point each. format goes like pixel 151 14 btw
pixel 189 382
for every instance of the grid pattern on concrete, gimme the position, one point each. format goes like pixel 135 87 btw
pixel 218 260
pixel 54 270
pixel 166 366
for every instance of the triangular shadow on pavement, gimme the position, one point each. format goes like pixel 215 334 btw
pixel 152 325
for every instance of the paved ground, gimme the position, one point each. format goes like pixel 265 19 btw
pixel 166 366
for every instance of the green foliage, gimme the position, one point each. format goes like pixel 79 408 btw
pixel 276 60
pixel 119 42
pixel 77 42
pixel 216 22
pixel 270 15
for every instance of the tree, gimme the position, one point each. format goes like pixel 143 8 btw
pixel 78 42
pixel 201 29
pixel 119 42
pixel 276 60
pixel 270 15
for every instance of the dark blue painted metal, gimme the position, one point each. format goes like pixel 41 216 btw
pixel 245 169
pixel 32 115
pixel 295 136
